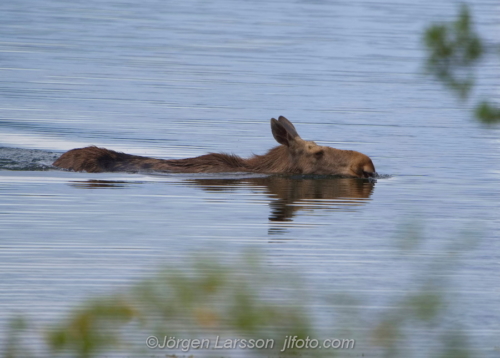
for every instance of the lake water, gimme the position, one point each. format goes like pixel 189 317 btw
pixel 180 79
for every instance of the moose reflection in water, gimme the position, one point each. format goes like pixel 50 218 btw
pixel 289 195
pixel 293 156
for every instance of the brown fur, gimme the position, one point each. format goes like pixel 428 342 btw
pixel 293 156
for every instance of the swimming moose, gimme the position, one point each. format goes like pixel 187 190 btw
pixel 293 156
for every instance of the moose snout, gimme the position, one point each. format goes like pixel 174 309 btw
pixel 370 174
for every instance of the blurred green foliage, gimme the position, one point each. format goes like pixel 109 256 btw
pixel 454 49
pixel 242 297
pixel 204 298
pixel 14 346
pixel 92 328
pixel 487 112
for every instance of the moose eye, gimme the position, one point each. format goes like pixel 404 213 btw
pixel 319 154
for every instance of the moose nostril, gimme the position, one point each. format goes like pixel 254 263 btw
pixel 370 174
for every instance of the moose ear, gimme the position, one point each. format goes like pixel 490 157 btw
pixel 286 122
pixel 282 132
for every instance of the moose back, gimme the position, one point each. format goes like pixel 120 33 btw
pixel 293 156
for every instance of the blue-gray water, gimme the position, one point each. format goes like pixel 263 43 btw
pixel 179 79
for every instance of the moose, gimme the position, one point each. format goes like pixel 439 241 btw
pixel 293 156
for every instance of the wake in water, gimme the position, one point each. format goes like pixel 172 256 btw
pixel 26 159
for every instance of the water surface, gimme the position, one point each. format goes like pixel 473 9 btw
pixel 180 79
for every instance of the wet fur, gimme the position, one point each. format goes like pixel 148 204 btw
pixel 293 156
